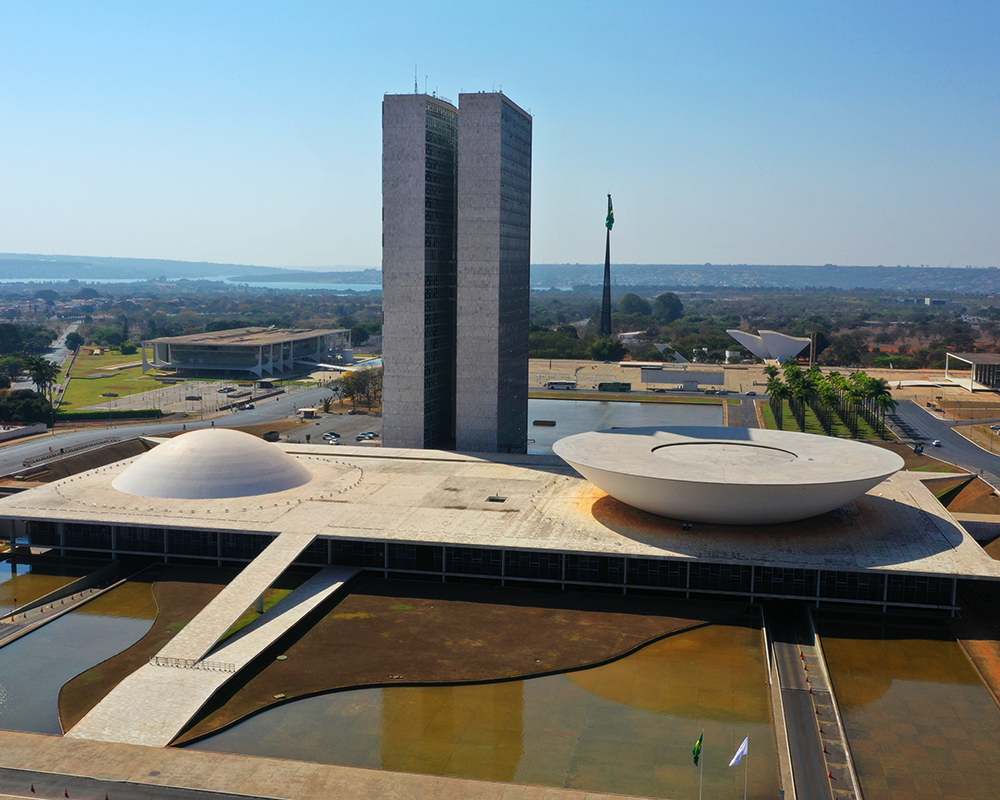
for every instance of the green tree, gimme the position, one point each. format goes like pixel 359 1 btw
pixel 667 307
pixel 11 366
pixel 42 372
pixel 633 304
pixel 606 348
pixel 74 341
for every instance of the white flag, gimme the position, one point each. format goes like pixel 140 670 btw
pixel 742 751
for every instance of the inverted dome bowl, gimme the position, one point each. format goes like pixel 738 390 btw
pixel 730 476
pixel 212 463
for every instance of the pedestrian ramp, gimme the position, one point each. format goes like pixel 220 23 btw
pixel 156 702
pixel 202 633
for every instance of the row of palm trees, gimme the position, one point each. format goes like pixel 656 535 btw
pixel 849 398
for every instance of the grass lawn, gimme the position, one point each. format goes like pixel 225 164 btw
pixel 922 463
pixel 271 599
pixel 839 429
pixel 86 363
pixel 84 391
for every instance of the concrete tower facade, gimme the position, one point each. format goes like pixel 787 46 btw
pixel 456 196
pixel 494 239
pixel 419 210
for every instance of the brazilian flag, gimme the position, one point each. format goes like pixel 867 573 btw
pixel 610 221
pixel 696 750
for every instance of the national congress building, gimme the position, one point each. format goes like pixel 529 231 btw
pixel 456 192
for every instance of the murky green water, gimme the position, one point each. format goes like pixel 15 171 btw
pixel 23 583
pixel 919 721
pixel 626 727
pixel 34 668
pixel 578 416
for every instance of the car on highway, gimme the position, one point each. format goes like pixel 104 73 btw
pixel 248 407
pixel 751 394
pixel 936 443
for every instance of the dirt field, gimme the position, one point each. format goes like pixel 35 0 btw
pixel 391 632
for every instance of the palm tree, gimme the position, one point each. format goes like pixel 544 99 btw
pixel 881 400
pixel 42 372
pixel 777 393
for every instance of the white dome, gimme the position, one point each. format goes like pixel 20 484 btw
pixel 212 463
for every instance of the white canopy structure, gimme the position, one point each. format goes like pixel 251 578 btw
pixel 771 345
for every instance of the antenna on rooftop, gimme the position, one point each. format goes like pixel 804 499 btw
pixel 415 91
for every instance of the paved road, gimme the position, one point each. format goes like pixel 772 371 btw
pixel 789 630
pixel 917 425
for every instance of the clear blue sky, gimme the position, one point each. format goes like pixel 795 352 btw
pixel 728 132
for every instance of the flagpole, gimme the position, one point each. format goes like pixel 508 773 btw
pixel 746 770
pixel 701 771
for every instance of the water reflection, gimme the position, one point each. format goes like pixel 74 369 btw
pixel 579 416
pixel 24 583
pixel 626 727
pixel 918 719
pixel 34 668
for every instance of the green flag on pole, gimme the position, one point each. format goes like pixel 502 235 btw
pixel 610 221
pixel 696 750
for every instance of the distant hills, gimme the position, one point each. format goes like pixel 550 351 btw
pixel 984 280
pixel 980 280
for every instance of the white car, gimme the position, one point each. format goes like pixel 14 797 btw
pixel 936 443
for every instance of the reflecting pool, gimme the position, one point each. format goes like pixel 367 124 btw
pixel 34 667
pixel 625 727
pixel 24 583
pixel 919 721
pixel 579 416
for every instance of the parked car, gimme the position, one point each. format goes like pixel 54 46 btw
pixel 331 435
pixel 751 394
pixel 371 434
pixel 332 441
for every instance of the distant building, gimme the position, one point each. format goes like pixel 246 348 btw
pixel 771 345
pixel 456 196
pixel 256 352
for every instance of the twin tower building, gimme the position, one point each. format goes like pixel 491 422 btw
pixel 456 232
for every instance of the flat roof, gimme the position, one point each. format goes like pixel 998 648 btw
pixel 976 358
pixel 247 336
pixel 435 497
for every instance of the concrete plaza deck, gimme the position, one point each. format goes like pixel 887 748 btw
pixel 120 769
pixel 153 704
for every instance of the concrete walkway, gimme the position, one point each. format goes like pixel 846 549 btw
pixel 821 764
pixel 154 704
pixel 122 772
pixel 202 633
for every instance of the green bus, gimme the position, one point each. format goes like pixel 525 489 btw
pixel 614 386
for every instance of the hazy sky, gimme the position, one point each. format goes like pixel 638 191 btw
pixel 728 132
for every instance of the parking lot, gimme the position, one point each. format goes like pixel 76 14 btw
pixel 348 426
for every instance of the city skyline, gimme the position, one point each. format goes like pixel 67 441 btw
pixel 769 135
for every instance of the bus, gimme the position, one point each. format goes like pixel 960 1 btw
pixel 560 385
pixel 614 386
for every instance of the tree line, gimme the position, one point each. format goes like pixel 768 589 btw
pixel 848 398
